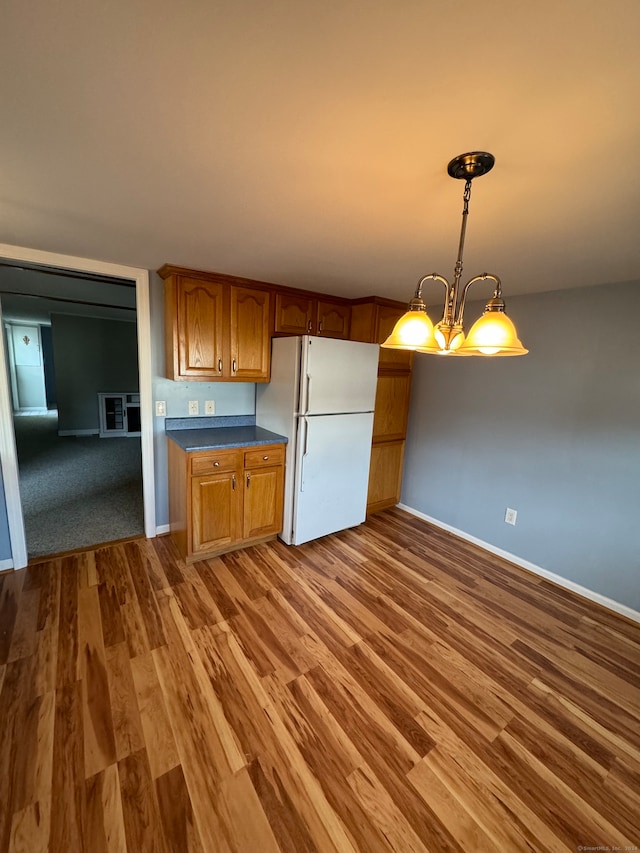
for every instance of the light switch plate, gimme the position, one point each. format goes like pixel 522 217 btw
pixel 161 408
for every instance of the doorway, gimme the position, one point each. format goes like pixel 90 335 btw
pixel 8 455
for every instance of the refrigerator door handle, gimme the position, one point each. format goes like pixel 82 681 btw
pixel 305 421
pixel 307 399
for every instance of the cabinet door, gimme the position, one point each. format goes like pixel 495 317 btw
pixel 250 342
pixel 332 319
pixel 392 406
pixel 294 314
pixel 216 505
pixel 391 359
pixel 199 329
pixel 263 501
pixel 385 475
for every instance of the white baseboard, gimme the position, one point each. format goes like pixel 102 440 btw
pixel 5 565
pixel 162 528
pixel 62 432
pixel 609 603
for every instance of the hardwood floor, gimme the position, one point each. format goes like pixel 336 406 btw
pixel 385 688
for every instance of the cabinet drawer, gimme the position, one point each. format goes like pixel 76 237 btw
pixel 256 458
pixel 221 460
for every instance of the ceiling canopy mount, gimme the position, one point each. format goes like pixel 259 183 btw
pixel 466 167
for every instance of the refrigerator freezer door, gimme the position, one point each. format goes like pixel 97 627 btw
pixel 338 376
pixel 332 475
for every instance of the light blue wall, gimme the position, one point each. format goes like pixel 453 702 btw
pixel 231 398
pixel 554 434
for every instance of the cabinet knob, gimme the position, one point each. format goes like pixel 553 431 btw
pixel 216 464
pixel 265 458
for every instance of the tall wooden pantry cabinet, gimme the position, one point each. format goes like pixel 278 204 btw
pixel 372 320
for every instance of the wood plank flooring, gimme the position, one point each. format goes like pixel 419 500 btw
pixel 388 688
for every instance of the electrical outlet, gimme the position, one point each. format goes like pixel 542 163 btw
pixel 193 407
pixel 161 408
pixel 510 516
pixel 209 407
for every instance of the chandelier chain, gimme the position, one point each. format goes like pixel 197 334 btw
pixel 466 196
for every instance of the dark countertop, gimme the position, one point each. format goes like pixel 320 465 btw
pixel 221 438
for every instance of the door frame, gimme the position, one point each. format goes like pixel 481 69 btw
pixel 8 453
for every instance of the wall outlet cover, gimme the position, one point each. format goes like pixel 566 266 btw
pixel 209 407
pixel 193 407
pixel 161 408
pixel 510 515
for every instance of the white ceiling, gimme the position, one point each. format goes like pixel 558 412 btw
pixel 306 142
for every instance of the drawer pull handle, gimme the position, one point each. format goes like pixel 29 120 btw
pixel 216 464
pixel 248 480
pixel 265 458
pixel 219 365
pixel 233 482
pixel 234 365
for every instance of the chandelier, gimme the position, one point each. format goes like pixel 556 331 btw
pixel 493 333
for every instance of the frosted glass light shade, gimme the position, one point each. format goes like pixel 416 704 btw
pixel 414 329
pixel 493 334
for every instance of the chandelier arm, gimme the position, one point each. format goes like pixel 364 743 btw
pixel 432 275
pixel 497 293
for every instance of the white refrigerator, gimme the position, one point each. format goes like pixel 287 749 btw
pixel 321 396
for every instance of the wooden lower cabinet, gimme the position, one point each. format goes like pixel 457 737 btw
pixel 385 475
pixel 263 491
pixel 215 512
pixel 223 500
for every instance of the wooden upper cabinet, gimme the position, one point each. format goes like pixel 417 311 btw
pixel 372 320
pixel 333 319
pixel 215 330
pixel 294 314
pixel 194 319
pixel 250 340
pixel 391 359
pixel 304 314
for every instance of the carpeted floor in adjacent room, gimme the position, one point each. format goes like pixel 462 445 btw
pixel 76 491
